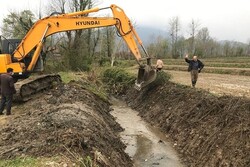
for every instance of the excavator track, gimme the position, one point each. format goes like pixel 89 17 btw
pixel 27 88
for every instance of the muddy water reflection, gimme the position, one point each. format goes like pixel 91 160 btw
pixel 146 145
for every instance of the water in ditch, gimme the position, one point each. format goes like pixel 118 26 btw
pixel 146 145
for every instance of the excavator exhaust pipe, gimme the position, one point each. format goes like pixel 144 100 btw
pixel 146 75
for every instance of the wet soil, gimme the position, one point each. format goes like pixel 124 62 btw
pixel 67 121
pixel 146 145
pixel 206 130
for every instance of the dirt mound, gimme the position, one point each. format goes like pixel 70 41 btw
pixel 65 120
pixel 205 129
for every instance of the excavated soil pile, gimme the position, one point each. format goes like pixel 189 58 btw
pixel 65 121
pixel 206 130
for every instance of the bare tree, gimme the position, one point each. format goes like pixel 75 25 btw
pixel 193 30
pixel 115 51
pixel 248 48
pixel 59 6
pixel 63 6
pixel 227 48
pixel 203 39
pixel 174 24
pixel 158 48
pixel 107 43
pixel 79 46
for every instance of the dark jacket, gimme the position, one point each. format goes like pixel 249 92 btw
pixel 192 64
pixel 7 85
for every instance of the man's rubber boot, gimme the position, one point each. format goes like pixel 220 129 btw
pixel 8 113
pixel 193 83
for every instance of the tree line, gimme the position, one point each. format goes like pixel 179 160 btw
pixel 199 42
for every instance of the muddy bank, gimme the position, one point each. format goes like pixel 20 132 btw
pixel 65 121
pixel 205 129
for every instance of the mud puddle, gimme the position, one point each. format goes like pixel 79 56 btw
pixel 146 145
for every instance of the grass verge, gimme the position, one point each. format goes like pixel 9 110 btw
pixel 89 81
pixel 31 162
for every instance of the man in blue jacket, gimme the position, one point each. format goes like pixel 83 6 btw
pixel 195 67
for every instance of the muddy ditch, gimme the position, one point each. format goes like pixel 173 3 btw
pixel 146 145
pixel 66 121
pixel 206 130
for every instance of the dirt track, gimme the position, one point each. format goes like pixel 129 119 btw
pixel 220 84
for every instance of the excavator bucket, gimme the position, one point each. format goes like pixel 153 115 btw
pixel 146 75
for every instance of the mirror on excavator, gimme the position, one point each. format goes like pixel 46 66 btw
pixel 146 75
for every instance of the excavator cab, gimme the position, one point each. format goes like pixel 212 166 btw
pixel 8 46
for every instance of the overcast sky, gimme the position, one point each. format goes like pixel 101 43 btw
pixel 225 19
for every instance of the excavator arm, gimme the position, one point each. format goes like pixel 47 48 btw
pixel 76 21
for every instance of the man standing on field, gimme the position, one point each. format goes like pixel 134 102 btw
pixel 195 67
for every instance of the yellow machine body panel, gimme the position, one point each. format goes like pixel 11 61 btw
pixel 5 63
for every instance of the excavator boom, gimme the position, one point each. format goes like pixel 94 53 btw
pixel 76 21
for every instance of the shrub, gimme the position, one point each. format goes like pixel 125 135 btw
pixel 117 80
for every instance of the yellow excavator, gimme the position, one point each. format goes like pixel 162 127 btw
pixel 26 58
